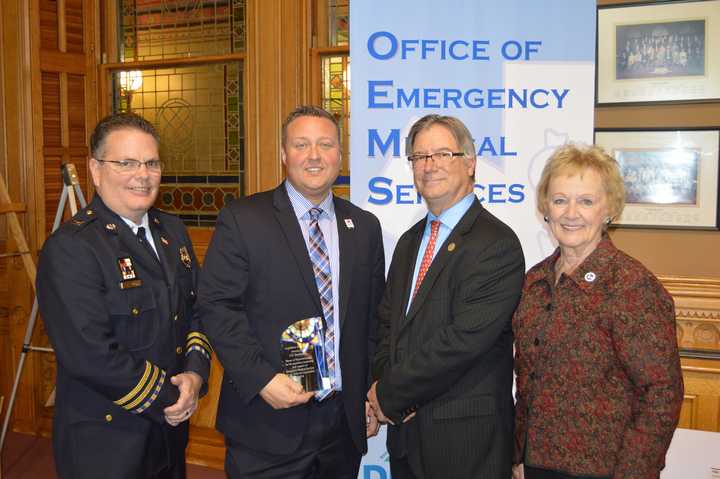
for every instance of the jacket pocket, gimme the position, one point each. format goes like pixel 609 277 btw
pixel 135 318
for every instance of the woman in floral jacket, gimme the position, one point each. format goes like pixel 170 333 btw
pixel 599 385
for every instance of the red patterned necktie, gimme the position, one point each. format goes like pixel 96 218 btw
pixel 428 256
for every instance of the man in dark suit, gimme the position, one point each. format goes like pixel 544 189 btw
pixel 116 288
pixel 278 257
pixel 443 366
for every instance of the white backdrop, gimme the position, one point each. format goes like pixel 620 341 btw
pixel 521 76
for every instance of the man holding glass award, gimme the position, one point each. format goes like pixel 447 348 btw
pixel 275 299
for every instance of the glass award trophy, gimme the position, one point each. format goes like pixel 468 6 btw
pixel 302 350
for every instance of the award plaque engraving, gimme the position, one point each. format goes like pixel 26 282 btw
pixel 302 349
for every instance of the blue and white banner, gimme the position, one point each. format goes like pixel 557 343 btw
pixel 519 73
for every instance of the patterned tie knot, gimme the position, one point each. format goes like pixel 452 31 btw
pixel 315 213
pixel 434 226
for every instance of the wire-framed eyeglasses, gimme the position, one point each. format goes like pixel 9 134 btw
pixel 132 166
pixel 438 157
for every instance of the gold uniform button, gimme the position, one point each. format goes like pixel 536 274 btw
pixel 178 350
pixel 135 311
pixel 108 417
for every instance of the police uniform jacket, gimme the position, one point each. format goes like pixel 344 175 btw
pixel 121 322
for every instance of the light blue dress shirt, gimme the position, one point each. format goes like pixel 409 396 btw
pixel 328 225
pixel 448 220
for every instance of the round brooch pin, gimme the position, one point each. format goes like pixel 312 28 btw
pixel 590 276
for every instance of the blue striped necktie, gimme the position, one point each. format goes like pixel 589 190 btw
pixel 323 279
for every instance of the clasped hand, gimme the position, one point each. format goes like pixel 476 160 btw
pixel 375 405
pixel 189 384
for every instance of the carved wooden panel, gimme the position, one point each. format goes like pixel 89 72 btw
pixel 697 308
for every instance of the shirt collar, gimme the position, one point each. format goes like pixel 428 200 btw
pixel 595 269
pixel 452 216
pixel 302 205
pixel 144 222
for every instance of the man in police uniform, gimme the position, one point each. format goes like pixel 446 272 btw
pixel 116 288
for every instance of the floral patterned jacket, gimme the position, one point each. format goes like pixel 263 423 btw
pixel 599 385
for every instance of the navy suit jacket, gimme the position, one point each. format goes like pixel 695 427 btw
pixel 450 357
pixel 120 333
pixel 257 280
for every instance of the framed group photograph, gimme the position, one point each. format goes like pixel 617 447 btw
pixel 658 52
pixel 670 175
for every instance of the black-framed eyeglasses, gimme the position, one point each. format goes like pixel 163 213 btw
pixel 132 166
pixel 437 157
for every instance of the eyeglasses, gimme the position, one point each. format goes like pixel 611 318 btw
pixel 132 166
pixel 438 157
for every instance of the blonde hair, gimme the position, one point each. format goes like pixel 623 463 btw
pixel 572 159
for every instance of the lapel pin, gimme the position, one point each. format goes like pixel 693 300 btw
pixel 111 227
pixel 349 223
pixel 185 257
pixel 89 212
pixel 164 241
pixel 451 247
pixel 156 221
pixel 590 276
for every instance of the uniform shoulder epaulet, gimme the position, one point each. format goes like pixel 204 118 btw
pixel 82 218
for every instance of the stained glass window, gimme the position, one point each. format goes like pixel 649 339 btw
pixel 165 29
pixel 197 108
pixel 339 22
pixel 336 98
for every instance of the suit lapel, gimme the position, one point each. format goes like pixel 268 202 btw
pixel 165 246
pixel 414 245
pixel 347 247
pixel 285 216
pixel 137 250
pixel 129 242
pixel 442 258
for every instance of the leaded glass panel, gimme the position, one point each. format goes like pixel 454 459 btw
pixel 198 112
pixel 339 22
pixel 336 97
pixel 166 29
